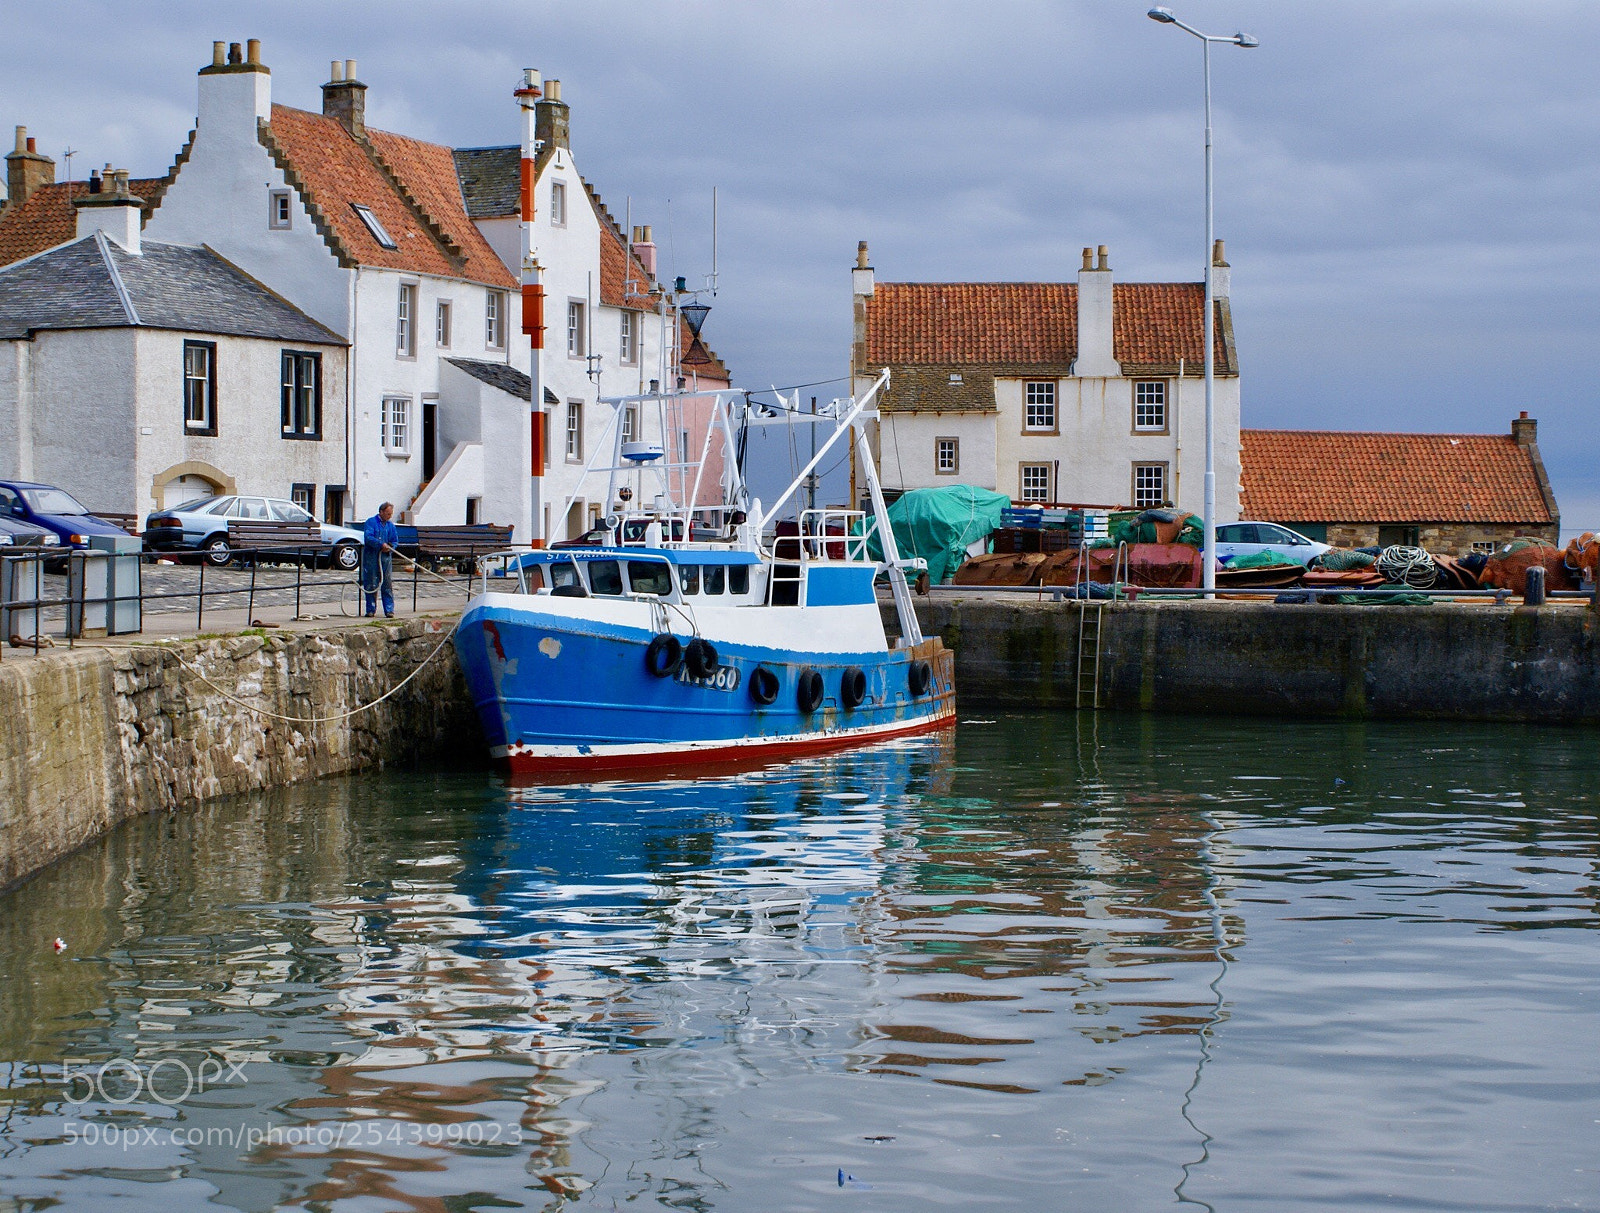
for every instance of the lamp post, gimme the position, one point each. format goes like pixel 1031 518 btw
pixel 1208 562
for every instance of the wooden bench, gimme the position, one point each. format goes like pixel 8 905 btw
pixel 294 540
pixel 441 544
pixel 128 522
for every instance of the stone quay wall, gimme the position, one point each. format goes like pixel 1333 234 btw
pixel 101 734
pixel 1447 661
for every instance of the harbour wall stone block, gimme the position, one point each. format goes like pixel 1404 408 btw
pixel 101 734
pixel 1447 661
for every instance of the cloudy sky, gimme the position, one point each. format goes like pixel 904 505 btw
pixel 1409 191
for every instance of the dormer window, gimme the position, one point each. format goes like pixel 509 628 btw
pixel 379 232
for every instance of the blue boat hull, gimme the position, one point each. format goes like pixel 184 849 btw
pixel 558 693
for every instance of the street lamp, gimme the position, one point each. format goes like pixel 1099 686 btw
pixel 1209 562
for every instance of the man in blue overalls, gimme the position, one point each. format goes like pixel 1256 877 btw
pixel 377 559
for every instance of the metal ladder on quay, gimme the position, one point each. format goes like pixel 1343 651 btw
pixel 1091 617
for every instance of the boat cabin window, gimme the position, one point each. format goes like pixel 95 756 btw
pixel 738 579
pixel 650 577
pixel 565 581
pixel 535 578
pixel 689 578
pixel 714 578
pixel 605 577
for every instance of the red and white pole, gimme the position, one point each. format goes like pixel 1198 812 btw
pixel 532 293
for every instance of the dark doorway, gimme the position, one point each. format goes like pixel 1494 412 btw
pixel 1405 536
pixel 430 435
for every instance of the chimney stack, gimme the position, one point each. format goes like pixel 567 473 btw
pixel 1095 320
pixel 114 210
pixel 862 281
pixel 26 170
pixel 235 91
pixel 644 248
pixel 1220 274
pixel 552 119
pixel 1525 429
pixel 345 98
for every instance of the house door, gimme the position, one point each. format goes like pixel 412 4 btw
pixel 430 433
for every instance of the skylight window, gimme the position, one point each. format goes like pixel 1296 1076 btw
pixel 379 232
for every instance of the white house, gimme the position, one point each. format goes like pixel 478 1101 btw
pixel 411 250
pixel 1080 393
pixel 138 375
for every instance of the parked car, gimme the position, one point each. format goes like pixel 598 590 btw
pixel 202 526
pixel 16 534
pixel 1248 538
pixel 54 510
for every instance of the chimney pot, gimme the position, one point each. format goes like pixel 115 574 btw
pixel 235 53
pixel 552 118
pixel 1218 256
pixel 26 169
pixel 345 98
pixel 1105 262
pixel 335 71
pixel 861 255
pixel 349 69
pixel 252 50
pixel 1088 259
pixel 32 146
pixel 552 90
pixel 95 185
pixel 219 54
pixel 1523 414
pixel 22 138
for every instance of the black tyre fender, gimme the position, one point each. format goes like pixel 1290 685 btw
pixel 808 691
pixel 852 687
pixel 701 658
pixel 663 656
pixel 919 678
pixel 763 685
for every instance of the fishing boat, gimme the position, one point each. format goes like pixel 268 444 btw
pixel 664 646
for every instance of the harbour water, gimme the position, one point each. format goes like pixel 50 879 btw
pixel 1039 962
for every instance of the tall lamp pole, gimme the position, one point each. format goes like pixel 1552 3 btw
pixel 1208 561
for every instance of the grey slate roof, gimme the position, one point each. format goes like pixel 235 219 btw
pixel 491 179
pixel 92 283
pixel 498 375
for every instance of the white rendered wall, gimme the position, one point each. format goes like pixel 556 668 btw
pixel 82 394
pixel 906 449
pixel 249 445
pixel 1096 447
pixel 221 195
pixel 16 410
pixel 460 476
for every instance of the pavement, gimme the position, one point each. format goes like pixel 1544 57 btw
pixel 173 607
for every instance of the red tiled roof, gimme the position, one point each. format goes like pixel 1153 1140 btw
pixel 952 323
pixel 1333 476
pixel 48 218
pixel 333 171
pixel 617 266
pixel 428 172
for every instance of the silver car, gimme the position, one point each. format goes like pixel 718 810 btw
pixel 1249 538
pixel 202 526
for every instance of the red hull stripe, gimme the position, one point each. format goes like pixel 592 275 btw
pixel 524 763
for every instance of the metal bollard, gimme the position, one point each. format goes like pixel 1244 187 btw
pixel 1533 591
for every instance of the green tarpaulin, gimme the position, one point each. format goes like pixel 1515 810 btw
pixel 938 524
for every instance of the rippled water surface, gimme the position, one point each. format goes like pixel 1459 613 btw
pixel 1044 962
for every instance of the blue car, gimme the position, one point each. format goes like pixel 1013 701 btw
pixel 56 510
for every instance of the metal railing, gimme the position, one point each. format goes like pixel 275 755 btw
pixel 28 570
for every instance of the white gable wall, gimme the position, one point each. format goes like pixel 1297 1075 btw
pixel 221 195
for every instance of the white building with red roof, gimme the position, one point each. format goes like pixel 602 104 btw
pixel 1084 393
pixel 410 250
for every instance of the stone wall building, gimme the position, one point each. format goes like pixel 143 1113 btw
pixel 1453 493
pixel 1081 393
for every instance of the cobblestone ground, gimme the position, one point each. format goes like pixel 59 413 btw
pixel 171 589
